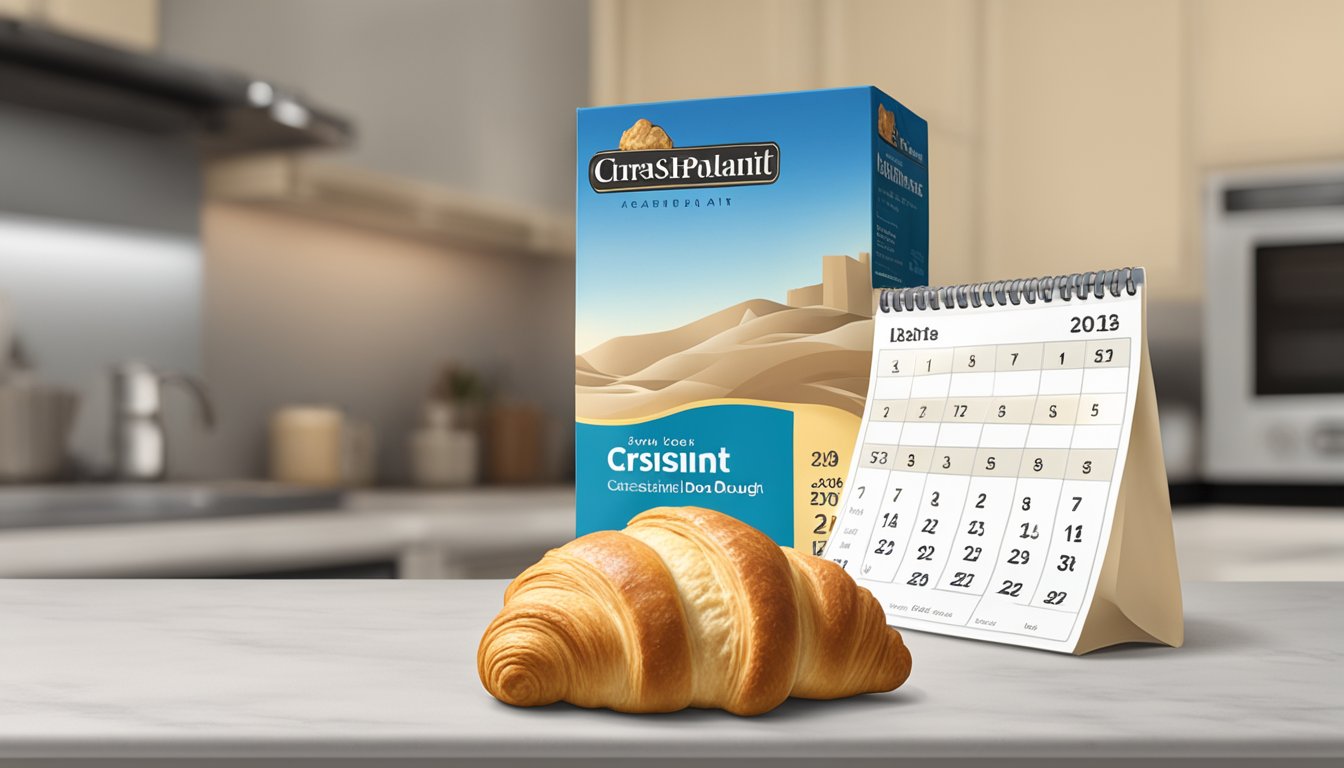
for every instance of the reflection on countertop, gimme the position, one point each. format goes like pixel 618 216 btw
pixel 81 504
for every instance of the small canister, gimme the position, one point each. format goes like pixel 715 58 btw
pixel 307 445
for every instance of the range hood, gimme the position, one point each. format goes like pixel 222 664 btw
pixel 229 113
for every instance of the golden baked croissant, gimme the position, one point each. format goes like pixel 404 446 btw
pixel 686 607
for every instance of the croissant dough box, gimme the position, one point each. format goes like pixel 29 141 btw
pixel 686 607
pixel 727 251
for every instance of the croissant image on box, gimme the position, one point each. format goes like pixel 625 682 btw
pixel 686 607
pixel 645 135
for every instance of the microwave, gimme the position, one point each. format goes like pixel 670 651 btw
pixel 1273 366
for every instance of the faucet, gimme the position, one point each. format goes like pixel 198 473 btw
pixel 139 444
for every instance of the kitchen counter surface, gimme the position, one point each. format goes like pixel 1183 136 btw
pixel 373 672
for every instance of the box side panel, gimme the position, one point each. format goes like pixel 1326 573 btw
pixel 900 226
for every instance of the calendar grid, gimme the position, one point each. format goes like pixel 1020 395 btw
pixel 1054 515
pixel 962 517
pixel 886 489
pixel 888 480
pixel 900 566
pixel 1112 490
pixel 1017 481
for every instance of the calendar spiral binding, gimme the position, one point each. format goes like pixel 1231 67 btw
pixel 1079 285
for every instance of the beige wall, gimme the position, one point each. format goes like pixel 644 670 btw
pixel 1064 134
pixel 449 93
pixel 302 310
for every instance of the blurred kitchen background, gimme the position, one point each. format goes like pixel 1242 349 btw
pixel 287 286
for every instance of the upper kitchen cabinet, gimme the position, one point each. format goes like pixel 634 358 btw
pixel 132 24
pixel 653 50
pixel 1253 63
pixel 923 54
pixel 129 23
pixel 1055 128
pixel 927 56
pixel 1083 139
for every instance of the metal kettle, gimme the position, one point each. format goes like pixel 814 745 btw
pixel 139 443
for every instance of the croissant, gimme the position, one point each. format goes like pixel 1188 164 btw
pixel 686 607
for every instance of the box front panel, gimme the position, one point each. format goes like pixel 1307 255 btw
pixel 724 307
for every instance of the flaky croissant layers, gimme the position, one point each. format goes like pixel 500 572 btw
pixel 686 607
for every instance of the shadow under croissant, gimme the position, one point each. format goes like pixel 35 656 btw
pixel 791 708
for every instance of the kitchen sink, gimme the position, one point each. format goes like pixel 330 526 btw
pixel 39 506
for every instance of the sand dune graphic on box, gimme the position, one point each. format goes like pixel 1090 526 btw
pixel 814 349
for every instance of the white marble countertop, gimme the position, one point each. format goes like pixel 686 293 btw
pixel 380 671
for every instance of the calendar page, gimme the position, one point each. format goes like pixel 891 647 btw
pixel 985 476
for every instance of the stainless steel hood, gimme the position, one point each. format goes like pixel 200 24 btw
pixel 229 113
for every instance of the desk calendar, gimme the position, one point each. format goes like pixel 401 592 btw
pixel 1007 482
